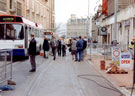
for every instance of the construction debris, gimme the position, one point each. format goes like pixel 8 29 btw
pixel 114 69
pixel 11 82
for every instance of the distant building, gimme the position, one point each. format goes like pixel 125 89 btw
pixel 40 11
pixel 77 27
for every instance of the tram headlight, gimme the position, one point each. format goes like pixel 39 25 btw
pixel 18 46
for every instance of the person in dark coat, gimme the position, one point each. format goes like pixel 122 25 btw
pixel 46 47
pixel 59 47
pixel 79 46
pixel 32 52
pixel 84 51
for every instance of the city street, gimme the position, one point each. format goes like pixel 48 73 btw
pixel 62 77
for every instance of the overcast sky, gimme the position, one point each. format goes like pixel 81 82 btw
pixel 64 8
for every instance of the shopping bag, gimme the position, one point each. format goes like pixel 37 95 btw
pixel 41 53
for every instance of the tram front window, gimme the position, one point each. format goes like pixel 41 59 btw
pixel 14 32
pixel 1 31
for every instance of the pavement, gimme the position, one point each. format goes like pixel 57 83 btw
pixel 62 77
pixel 123 82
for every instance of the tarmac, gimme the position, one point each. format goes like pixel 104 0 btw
pixel 64 77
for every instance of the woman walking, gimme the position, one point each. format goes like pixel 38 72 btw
pixel 46 47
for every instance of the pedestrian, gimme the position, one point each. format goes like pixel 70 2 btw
pixel 59 47
pixel 46 47
pixel 131 46
pixel 63 47
pixel 32 52
pixel 84 51
pixel 79 46
pixel 53 44
pixel 73 47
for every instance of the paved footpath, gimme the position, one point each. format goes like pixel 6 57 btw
pixel 62 77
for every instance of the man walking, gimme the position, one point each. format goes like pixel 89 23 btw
pixel 84 51
pixel 63 47
pixel 53 44
pixel 79 46
pixel 32 53
pixel 73 47
pixel 59 47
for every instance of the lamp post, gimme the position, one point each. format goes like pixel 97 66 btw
pixel 88 26
pixel 115 24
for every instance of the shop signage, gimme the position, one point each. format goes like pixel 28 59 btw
pixel 103 31
pixel 125 60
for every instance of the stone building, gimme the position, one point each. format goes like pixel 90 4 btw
pixel 125 24
pixel 77 27
pixel 40 11
pixel 121 5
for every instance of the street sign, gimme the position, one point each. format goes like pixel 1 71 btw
pixel 125 60
pixel 116 52
pixel 48 33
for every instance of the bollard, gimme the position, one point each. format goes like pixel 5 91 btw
pixel 102 64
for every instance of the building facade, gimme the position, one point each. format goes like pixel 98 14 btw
pixel 77 27
pixel 125 25
pixel 39 11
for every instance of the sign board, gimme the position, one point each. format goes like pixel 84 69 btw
pixel 102 31
pixel 125 60
pixel 48 33
pixel 116 53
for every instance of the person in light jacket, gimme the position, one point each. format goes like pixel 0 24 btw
pixel 53 45
pixel 73 47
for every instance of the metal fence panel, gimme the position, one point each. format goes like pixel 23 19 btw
pixel 5 65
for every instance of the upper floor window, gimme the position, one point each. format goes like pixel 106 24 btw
pixel 19 9
pixel 28 4
pixel 11 4
pixel 3 3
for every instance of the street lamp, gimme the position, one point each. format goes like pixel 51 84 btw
pixel 115 24
pixel 88 26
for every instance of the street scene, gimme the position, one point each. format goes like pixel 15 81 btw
pixel 67 48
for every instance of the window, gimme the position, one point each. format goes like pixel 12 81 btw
pixel 36 33
pixel 10 4
pixel 3 5
pixel 33 5
pixel 14 32
pixel 19 9
pixel 1 31
pixel 28 2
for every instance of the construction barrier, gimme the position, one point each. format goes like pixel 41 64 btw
pixel 5 65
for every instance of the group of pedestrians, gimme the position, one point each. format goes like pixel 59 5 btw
pixel 56 46
pixel 78 48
